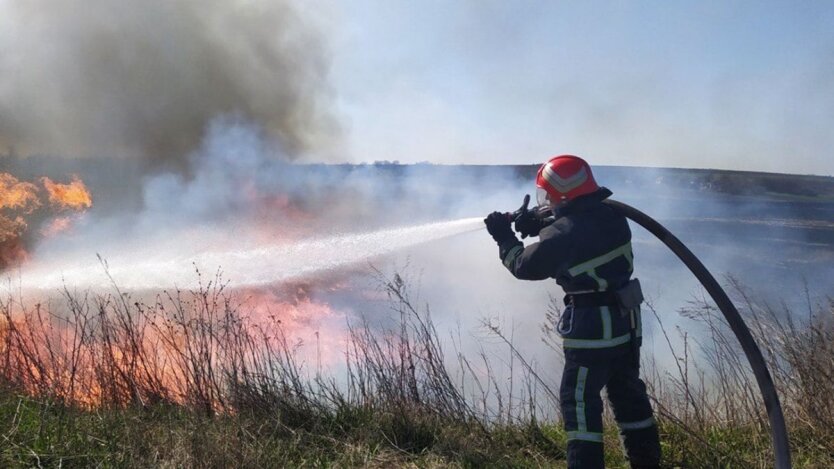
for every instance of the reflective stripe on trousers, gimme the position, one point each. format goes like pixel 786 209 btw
pixel 581 405
pixel 626 426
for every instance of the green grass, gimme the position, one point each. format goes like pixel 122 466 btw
pixel 39 433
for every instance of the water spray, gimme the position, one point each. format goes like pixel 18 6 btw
pixel 161 267
pixel 778 429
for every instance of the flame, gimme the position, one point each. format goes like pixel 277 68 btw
pixel 11 228
pixel 19 200
pixel 304 320
pixel 23 198
pixel 17 195
pixel 145 353
pixel 56 226
pixel 74 195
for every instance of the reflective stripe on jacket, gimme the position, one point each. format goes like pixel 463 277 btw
pixel 587 248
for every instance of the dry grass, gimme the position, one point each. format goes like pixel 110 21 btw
pixel 187 379
pixel 710 400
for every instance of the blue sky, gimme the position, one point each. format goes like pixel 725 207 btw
pixel 729 84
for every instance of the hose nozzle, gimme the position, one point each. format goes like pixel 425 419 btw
pixel 513 216
pixel 538 211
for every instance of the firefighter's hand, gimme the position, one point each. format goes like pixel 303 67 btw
pixel 498 226
pixel 528 225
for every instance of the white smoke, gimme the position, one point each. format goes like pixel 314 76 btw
pixel 262 220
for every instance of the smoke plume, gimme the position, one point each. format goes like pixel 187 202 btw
pixel 143 79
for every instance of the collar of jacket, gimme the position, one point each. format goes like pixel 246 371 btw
pixel 583 202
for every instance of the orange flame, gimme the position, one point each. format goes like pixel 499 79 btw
pixel 10 228
pixel 20 196
pixel 145 355
pixel 73 195
pixel 19 199
pixel 17 195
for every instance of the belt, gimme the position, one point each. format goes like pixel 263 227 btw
pixel 592 299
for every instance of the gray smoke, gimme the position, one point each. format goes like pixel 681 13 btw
pixel 143 79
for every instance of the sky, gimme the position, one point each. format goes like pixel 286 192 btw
pixel 744 85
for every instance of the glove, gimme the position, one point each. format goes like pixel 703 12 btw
pixel 498 226
pixel 528 225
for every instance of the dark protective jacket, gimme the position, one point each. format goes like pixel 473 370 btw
pixel 586 249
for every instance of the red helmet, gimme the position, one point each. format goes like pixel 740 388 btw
pixel 564 178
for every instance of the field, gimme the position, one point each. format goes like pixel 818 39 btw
pixel 197 378
pixel 259 233
pixel 187 381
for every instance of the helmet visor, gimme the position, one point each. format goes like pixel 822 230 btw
pixel 542 197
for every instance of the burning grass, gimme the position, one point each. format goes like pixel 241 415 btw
pixel 188 379
pixel 73 195
pixel 19 200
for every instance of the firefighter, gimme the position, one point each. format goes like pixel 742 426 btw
pixel 586 247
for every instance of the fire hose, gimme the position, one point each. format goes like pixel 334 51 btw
pixel 778 430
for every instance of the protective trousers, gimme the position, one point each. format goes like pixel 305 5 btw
pixel 581 406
